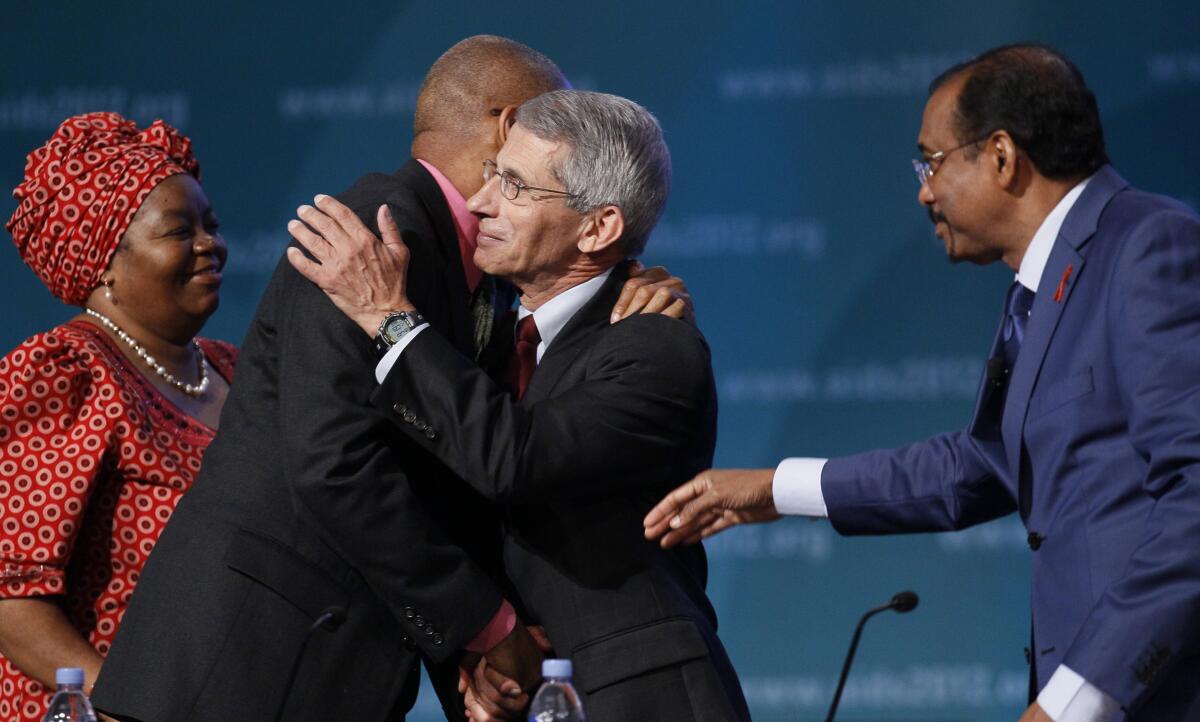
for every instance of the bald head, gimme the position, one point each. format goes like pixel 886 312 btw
pixel 476 79
pixel 468 101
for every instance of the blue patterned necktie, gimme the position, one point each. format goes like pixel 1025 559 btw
pixel 1017 308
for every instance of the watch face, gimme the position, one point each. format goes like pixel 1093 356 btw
pixel 395 329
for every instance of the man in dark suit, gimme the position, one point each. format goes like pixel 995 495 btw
pixel 584 444
pixel 320 552
pixel 1088 417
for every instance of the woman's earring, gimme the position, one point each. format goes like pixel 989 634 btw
pixel 108 290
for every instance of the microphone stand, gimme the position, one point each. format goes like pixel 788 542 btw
pixel 902 602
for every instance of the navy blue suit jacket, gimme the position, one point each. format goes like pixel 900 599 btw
pixel 1097 446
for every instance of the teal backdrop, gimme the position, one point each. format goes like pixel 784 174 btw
pixel 835 320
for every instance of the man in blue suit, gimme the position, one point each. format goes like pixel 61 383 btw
pixel 1088 416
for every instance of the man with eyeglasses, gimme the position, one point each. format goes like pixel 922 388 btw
pixel 1088 416
pixel 587 423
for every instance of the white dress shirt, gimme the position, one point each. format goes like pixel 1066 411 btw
pixel 550 318
pixel 796 489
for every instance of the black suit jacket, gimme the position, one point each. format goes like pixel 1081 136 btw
pixel 308 499
pixel 614 417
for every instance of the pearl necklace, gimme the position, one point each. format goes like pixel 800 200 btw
pixel 143 354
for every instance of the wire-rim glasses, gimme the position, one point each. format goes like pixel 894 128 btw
pixel 927 166
pixel 511 186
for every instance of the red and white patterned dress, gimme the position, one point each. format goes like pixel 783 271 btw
pixel 93 460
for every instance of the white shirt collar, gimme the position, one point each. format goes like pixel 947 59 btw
pixel 553 315
pixel 1033 263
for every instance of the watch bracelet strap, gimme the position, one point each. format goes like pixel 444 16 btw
pixel 381 344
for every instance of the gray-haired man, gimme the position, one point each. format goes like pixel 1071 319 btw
pixel 579 450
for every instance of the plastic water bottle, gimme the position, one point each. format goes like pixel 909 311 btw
pixel 69 703
pixel 556 700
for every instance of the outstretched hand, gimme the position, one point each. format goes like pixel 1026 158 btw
pixel 653 290
pixel 712 501
pixel 364 276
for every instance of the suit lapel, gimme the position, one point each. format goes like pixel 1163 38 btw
pixel 985 421
pixel 570 341
pixel 495 357
pixel 1043 320
pixel 1054 292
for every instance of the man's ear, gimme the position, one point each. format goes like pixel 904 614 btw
pixel 601 229
pixel 1001 153
pixel 504 123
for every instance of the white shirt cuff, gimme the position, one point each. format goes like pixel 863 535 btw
pixel 1068 697
pixel 796 487
pixel 389 359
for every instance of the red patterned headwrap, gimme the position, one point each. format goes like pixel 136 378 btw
pixel 81 190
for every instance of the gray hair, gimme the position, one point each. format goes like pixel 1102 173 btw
pixel 617 156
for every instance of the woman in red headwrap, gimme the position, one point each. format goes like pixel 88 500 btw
pixel 103 420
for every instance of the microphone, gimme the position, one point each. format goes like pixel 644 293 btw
pixel 902 602
pixel 329 619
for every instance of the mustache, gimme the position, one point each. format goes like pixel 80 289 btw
pixel 934 216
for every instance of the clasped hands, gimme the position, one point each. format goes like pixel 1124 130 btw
pixel 497 685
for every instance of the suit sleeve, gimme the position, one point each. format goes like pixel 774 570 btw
pixel 347 468
pixel 1148 618
pixel 645 398
pixel 945 483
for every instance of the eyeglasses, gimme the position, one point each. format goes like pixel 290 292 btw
pixel 511 186
pixel 926 167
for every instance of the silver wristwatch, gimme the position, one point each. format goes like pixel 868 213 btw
pixel 394 327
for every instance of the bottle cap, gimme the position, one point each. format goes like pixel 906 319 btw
pixel 69 675
pixel 556 668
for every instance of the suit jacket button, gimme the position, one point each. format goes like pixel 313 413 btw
pixel 420 425
pixel 409 612
pixel 430 433
pixel 438 640
pixel 400 408
pixel 1035 540
pixel 409 417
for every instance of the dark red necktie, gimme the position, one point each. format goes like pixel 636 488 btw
pixel 524 358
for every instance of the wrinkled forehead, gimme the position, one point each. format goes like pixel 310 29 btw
pixel 530 157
